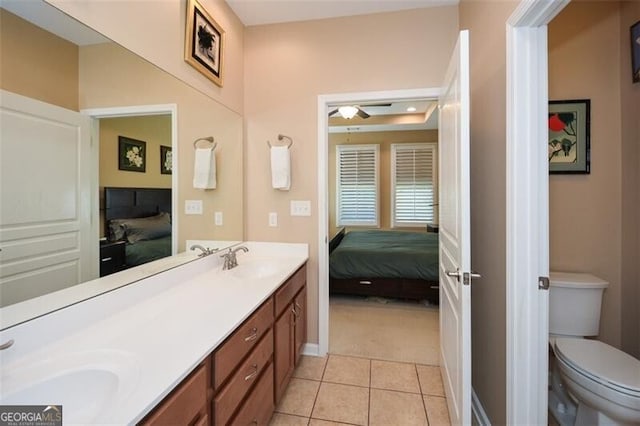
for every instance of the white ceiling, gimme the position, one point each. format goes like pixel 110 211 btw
pixel 258 12
pixel 388 118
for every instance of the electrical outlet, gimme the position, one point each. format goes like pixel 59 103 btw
pixel 300 208
pixel 273 219
pixel 218 218
pixel 193 207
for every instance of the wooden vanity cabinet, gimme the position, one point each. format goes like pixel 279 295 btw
pixel 290 328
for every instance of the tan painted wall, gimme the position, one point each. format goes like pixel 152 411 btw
pixel 155 31
pixel 486 22
pixel 36 63
pixel 630 105
pixel 384 139
pixel 112 76
pixel 155 130
pixel 585 210
pixel 288 65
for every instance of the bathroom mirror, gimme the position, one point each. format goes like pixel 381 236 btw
pixel 106 80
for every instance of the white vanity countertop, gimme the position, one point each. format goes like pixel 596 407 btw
pixel 151 334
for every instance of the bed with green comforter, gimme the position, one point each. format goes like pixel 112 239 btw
pixel 385 263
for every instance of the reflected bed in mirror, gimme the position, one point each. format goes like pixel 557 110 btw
pixel 76 78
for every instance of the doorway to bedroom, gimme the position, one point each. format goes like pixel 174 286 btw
pixel 381 219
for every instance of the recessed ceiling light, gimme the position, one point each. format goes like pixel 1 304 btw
pixel 411 109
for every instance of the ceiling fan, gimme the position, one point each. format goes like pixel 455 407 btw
pixel 350 111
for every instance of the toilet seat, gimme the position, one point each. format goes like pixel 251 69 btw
pixel 601 363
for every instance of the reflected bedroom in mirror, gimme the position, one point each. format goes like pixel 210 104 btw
pixel 94 161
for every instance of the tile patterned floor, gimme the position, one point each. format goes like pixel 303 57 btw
pixel 346 390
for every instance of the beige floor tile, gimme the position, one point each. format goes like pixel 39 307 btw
pixel 396 408
pixel 310 367
pixel 299 397
pixel 280 419
pixel 437 411
pixel 347 370
pixel 430 380
pixel 394 376
pixel 318 422
pixel 342 403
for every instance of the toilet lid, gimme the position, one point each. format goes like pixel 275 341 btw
pixel 601 362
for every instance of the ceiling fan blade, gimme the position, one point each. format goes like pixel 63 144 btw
pixel 333 112
pixel 362 114
pixel 377 105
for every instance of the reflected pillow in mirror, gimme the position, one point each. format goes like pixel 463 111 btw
pixel 147 228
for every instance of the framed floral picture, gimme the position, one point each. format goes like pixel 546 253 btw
pixel 569 136
pixel 635 52
pixel 204 42
pixel 132 154
pixel 166 160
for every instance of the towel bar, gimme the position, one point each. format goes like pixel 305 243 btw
pixel 280 137
pixel 208 139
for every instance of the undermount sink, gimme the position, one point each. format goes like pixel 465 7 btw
pixel 254 268
pixel 85 384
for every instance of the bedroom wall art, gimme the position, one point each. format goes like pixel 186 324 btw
pixel 635 51
pixel 569 137
pixel 204 42
pixel 166 160
pixel 132 154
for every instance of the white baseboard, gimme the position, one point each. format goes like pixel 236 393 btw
pixel 312 349
pixel 478 415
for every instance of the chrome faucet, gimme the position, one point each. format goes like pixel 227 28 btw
pixel 230 260
pixel 204 251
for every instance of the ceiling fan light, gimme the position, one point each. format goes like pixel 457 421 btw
pixel 348 111
pixel 411 109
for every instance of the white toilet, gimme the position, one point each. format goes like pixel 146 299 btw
pixel 602 382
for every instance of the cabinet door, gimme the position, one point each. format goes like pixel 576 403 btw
pixel 300 305
pixel 283 351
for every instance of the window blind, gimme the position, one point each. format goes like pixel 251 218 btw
pixel 357 185
pixel 413 184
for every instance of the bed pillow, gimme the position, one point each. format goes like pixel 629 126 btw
pixel 144 228
pixel 116 229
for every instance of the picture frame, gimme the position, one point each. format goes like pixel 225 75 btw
pixel 569 141
pixel 635 52
pixel 166 160
pixel 132 154
pixel 204 42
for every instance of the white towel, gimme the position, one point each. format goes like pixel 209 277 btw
pixel 204 169
pixel 280 168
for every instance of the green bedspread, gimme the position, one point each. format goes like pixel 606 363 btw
pixel 386 254
pixel 147 250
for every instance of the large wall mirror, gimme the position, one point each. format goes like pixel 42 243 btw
pixel 86 125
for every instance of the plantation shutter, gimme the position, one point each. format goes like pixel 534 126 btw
pixel 357 185
pixel 413 184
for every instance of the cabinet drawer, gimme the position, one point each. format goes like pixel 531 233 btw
pixel 184 404
pixel 243 379
pixel 258 408
pixel 240 343
pixel 285 294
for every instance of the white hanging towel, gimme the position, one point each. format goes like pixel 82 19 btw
pixel 280 168
pixel 204 169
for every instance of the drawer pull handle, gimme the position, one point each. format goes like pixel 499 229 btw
pixel 254 422
pixel 365 282
pixel 299 307
pixel 252 375
pixel 106 259
pixel 253 336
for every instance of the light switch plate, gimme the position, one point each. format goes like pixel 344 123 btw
pixel 193 207
pixel 300 208
pixel 218 218
pixel 273 219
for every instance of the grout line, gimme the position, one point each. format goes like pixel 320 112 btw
pixel 369 402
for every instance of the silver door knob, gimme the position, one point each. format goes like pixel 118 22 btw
pixel 456 274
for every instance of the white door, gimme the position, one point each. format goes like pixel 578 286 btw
pixel 455 253
pixel 46 240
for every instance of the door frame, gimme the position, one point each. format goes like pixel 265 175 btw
pixel 323 187
pixel 527 178
pixel 132 111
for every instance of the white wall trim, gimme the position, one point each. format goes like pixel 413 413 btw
pixel 323 188
pixel 479 416
pixel 311 349
pixel 527 246
pixel 132 111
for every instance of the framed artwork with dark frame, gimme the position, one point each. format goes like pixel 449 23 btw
pixel 204 42
pixel 569 136
pixel 635 52
pixel 166 160
pixel 132 154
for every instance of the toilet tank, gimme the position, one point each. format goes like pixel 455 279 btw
pixel 574 303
